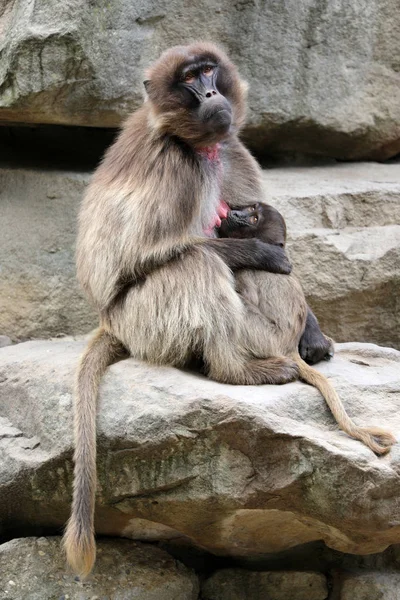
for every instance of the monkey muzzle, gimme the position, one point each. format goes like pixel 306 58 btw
pixel 216 113
pixel 214 110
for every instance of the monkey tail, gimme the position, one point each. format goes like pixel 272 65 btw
pixel 78 541
pixel 379 440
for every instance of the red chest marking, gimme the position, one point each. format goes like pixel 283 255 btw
pixel 210 152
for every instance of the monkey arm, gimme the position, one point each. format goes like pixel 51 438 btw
pixel 250 254
pixel 314 345
pixel 237 254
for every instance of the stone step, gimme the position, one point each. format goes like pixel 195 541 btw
pixel 35 569
pixel 335 196
pixel 344 241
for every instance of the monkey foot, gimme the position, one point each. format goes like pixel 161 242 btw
pixel 316 348
pixel 275 371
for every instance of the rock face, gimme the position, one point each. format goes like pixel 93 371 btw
pixel 237 584
pixel 39 295
pixel 34 569
pixel 323 77
pixel 239 471
pixel 370 586
pixel 344 241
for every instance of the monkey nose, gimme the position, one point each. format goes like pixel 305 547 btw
pixel 211 93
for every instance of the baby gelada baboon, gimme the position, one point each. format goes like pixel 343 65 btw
pixel 277 313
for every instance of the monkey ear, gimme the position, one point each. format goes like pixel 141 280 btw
pixel 148 88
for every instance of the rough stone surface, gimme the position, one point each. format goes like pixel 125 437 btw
pixel 239 471
pixel 324 76
pixel 5 341
pixel 35 569
pixel 237 584
pixel 370 586
pixel 344 240
pixel 39 295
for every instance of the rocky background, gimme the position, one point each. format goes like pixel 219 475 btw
pixel 323 75
pixel 226 493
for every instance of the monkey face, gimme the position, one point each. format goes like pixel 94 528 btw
pixel 196 94
pixel 243 223
pixel 198 81
pixel 260 221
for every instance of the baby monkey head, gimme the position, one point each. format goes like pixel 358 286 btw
pixel 259 220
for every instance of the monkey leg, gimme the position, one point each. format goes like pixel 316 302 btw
pixel 274 370
pixel 190 307
pixel 230 354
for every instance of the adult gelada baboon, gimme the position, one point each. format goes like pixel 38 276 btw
pixel 277 312
pixel 148 257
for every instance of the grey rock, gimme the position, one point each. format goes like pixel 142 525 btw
pixel 35 569
pixel 5 341
pixel 370 586
pixel 236 470
pixel 237 584
pixel 344 240
pixel 39 295
pixel 323 78
pixel 351 279
pixel 335 196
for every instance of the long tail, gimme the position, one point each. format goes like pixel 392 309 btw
pixel 78 540
pixel 379 440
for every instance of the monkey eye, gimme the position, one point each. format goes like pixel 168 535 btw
pixel 189 77
pixel 253 219
pixel 208 70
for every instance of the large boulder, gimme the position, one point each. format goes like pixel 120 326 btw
pixel 323 76
pixel 35 569
pixel 239 471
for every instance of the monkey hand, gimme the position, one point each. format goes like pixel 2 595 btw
pixel 249 253
pixel 273 258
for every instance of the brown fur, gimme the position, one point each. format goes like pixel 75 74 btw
pixel 163 290
pixel 276 318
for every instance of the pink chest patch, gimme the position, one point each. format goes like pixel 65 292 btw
pixel 212 153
